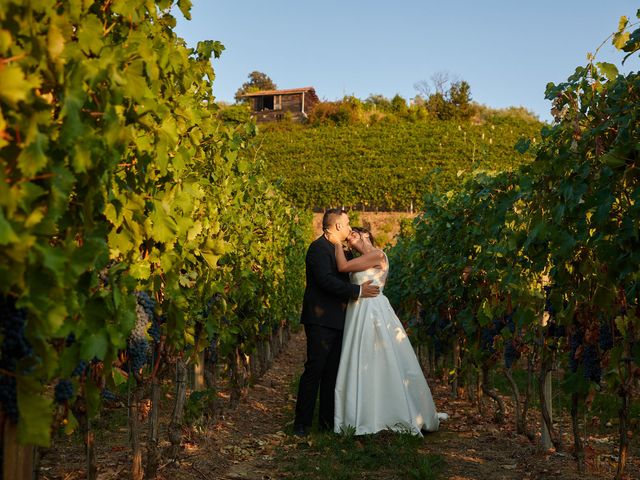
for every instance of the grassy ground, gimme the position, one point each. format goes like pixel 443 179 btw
pixel 386 455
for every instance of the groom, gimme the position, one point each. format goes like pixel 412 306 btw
pixel 323 311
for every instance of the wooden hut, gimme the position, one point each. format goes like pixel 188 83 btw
pixel 270 105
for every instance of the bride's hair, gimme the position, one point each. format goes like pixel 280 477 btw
pixel 362 230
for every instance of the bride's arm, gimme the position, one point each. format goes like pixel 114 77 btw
pixel 374 258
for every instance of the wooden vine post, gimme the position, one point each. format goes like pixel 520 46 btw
pixel 17 459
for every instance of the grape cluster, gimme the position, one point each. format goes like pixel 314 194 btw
pixel 575 340
pixel 211 352
pixel 209 306
pixel 154 330
pixel 138 346
pixel 591 363
pixel 63 391
pixel 14 347
pixel 8 397
pixel 486 339
pixel 590 358
pixel 606 336
pixel 509 322
pixel 80 369
pixel 554 330
pixel 148 303
pixel 109 395
pixel 439 329
pixel 511 354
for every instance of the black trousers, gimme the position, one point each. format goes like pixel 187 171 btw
pixel 320 372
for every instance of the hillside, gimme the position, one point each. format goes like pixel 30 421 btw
pixel 389 164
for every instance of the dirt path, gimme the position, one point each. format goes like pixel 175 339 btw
pixel 250 443
pixel 473 447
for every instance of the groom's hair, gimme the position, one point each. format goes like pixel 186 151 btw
pixel 331 216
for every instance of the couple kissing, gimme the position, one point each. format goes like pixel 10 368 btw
pixel 359 357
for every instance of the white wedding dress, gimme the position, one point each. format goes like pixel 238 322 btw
pixel 380 384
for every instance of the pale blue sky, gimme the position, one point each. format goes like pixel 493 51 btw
pixel 506 49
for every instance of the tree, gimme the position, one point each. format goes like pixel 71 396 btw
pixel 460 98
pixel 399 104
pixel 452 97
pixel 257 81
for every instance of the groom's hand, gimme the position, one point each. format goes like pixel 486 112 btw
pixel 367 290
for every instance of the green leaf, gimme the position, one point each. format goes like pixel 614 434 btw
pixel 90 36
pixel 163 227
pixel 72 423
pixel 92 397
pixel 609 70
pixel 56 317
pixel 4 135
pixel 95 345
pixel 207 47
pixel 5 41
pixel 576 383
pixel 523 145
pixel 211 259
pixel 612 160
pixel 15 86
pixel 7 235
pixel 620 39
pixel 55 259
pixel 55 41
pixel 81 158
pixel 185 8
pixel 36 413
pixel 140 270
pixel 118 377
pixel 32 159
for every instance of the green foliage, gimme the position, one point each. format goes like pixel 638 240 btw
pixel 199 405
pixel 117 175
pixel 257 81
pixel 567 221
pixel 385 165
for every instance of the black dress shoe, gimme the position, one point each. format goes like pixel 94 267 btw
pixel 300 431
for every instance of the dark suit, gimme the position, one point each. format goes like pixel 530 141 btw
pixel 323 310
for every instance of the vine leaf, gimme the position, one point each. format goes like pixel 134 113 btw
pixel 35 427
pixel 7 235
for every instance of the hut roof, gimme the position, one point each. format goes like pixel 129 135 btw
pixel 310 90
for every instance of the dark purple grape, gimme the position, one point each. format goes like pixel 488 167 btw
pixel 154 330
pixel 511 354
pixel 606 336
pixel 8 397
pixel 15 346
pixel 486 340
pixel 591 363
pixel 137 353
pixel 574 342
pixel 80 369
pixel 109 395
pixel 63 391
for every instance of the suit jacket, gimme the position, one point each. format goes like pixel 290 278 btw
pixel 327 291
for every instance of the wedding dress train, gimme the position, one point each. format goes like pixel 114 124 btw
pixel 380 384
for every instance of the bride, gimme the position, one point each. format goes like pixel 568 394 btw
pixel 380 384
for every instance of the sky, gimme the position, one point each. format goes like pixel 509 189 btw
pixel 507 50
